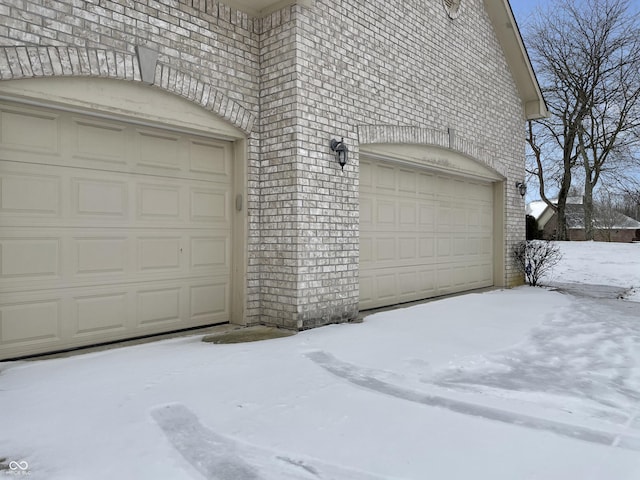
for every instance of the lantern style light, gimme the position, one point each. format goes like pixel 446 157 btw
pixel 341 151
pixel 522 188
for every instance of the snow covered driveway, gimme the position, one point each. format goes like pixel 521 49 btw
pixel 520 384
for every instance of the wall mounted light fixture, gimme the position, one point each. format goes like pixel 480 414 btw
pixel 522 188
pixel 341 151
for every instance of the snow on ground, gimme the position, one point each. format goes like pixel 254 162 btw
pixel 528 383
pixel 599 263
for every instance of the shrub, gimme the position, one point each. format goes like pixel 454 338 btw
pixel 535 258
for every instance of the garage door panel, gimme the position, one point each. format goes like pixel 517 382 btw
pixel 366 250
pixel 444 217
pixel 444 247
pixel 125 232
pixel 159 253
pixel 209 301
pixel 86 313
pixel 210 252
pixel 427 282
pixel 159 306
pixel 366 289
pixel 444 186
pixel 29 193
pixel 99 198
pixel 426 248
pixel 386 286
pixel 426 185
pixel 158 202
pixel 407 181
pixel 386 249
pixel 408 248
pixel 29 130
pixel 209 159
pixel 385 178
pixel 100 313
pixel 99 142
pixel 385 214
pixel 30 323
pixel 209 205
pixel 98 255
pixel 366 213
pixel 73 257
pixel 408 213
pixel 432 235
pixel 29 257
pixel 158 152
pixel 408 283
pixel 427 216
pixel 460 219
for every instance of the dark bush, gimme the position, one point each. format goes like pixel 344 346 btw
pixel 533 233
pixel 535 258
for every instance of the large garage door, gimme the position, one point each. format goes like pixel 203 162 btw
pixel 109 230
pixel 422 234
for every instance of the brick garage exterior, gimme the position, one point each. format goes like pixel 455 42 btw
pixel 371 72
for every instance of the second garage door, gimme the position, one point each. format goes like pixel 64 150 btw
pixel 110 230
pixel 422 233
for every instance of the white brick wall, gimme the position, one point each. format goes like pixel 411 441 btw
pixel 390 64
pixel 292 81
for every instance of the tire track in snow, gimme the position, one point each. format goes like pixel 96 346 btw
pixel 217 457
pixel 366 378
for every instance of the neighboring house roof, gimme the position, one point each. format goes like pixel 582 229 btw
pixel 574 212
pixel 536 209
pixel 506 30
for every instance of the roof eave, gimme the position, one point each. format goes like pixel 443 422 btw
pixel 508 35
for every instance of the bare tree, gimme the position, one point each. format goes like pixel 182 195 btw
pixel 607 215
pixel 629 204
pixel 587 54
pixel 626 202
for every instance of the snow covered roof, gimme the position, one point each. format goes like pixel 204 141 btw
pixel 575 215
pixel 535 209
pixel 608 220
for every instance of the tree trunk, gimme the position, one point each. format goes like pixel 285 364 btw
pixel 587 204
pixel 565 185
pixel 561 229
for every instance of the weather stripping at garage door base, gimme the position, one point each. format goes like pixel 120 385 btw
pixel 128 342
pixel 371 311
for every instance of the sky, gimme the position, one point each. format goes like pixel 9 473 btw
pixel 523 8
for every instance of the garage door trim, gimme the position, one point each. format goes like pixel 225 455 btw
pixel 431 158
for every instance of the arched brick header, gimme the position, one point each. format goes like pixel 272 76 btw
pixel 371 134
pixel 33 62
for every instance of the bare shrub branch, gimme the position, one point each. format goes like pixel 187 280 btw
pixel 536 258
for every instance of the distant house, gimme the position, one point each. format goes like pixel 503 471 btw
pixel 609 226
